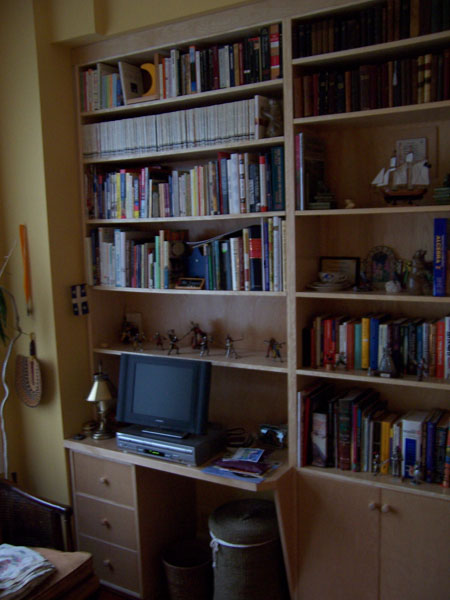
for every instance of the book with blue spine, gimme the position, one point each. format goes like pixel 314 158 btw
pixel 412 440
pixel 441 245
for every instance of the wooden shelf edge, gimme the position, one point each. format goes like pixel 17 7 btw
pixel 107 449
pixel 199 150
pixel 387 482
pixel 384 210
pixel 429 384
pixel 364 52
pixel 378 295
pixel 250 360
pixel 110 288
pixel 166 103
pixel 227 217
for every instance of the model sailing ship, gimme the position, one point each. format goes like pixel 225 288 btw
pixel 406 182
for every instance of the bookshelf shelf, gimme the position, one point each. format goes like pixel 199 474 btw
pixel 190 292
pixel 398 48
pixel 384 482
pixel 186 154
pixel 397 115
pixel 252 360
pixel 406 381
pixel 376 296
pixel 202 218
pixel 387 210
pixel 273 86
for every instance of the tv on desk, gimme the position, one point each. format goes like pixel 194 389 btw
pixel 164 395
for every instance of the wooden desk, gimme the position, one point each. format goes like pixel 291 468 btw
pixel 128 508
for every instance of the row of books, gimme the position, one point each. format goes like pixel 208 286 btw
pixel 383 22
pixel 183 71
pixel 250 259
pixel 237 121
pixel 393 83
pixel 354 430
pixel 100 87
pixel 137 259
pixel 385 345
pixel 231 184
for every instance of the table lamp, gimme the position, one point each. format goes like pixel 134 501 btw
pixel 103 395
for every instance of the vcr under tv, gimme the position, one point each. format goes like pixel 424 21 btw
pixel 192 450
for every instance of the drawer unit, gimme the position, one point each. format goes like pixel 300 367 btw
pixel 103 479
pixel 107 521
pixel 114 565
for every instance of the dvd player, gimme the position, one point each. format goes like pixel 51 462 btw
pixel 192 450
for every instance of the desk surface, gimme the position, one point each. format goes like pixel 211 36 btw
pixel 108 450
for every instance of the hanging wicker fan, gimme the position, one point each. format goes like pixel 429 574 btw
pixel 28 377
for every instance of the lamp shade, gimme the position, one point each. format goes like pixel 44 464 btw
pixel 101 389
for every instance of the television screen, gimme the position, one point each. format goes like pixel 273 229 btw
pixel 164 395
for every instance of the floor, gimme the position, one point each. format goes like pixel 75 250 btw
pixel 107 594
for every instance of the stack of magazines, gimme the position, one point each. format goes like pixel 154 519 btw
pixel 21 569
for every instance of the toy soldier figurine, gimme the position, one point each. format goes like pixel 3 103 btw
pixel 197 335
pixel 396 463
pixel 173 339
pixel 229 345
pixel 415 473
pixel 376 464
pixel 274 349
pixel 204 347
pixel 159 340
pixel 138 341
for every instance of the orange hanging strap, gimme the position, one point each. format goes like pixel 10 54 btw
pixel 26 268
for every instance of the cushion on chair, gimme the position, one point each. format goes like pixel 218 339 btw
pixel 74 578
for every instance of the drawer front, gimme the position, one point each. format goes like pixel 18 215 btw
pixel 117 566
pixel 103 479
pixel 109 522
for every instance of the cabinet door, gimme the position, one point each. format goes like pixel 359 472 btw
pixel 415 547
pixel 337 539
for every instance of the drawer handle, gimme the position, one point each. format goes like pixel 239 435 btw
pixel 105 522
pixel 107 563
pixel 104 480
pixel 373 505
pixel 386 508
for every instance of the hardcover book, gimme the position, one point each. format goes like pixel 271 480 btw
pixel 441 252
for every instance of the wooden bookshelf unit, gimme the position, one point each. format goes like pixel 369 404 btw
pixel 345 534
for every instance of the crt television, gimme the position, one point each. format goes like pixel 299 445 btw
pixel 164 395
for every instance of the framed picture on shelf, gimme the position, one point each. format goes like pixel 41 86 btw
pixel 190 283
pixel 349 265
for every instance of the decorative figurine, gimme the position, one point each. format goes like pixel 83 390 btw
pixel 159 340
pixel 415 473
pixel 197 335
pixel 229 345
pixel 274 349
pixel 129 332
pixel 204 344
pixel 173 340
pixel 138 341
pixel 376 464
pixel 339 360
pixel 387 366
pixel 419 281
pixel 396 463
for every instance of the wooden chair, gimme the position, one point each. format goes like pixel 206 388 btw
pixel 26 520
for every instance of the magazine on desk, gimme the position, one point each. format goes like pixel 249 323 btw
pixel 243 464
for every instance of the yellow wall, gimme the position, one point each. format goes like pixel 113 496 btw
pixel 39 187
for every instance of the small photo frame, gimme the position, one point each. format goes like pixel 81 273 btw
pixel 190 283
pixel 341 264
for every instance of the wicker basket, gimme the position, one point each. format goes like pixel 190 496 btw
pixel 247 558
pixel 188 569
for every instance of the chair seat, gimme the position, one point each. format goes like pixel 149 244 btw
pixel 74 578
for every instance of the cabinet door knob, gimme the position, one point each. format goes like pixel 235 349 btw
pixel 105 523
pixel 104 480
pixel 385 508
pixel 107 563
pixel 373 505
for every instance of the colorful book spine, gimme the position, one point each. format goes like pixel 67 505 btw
pixel 441 243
